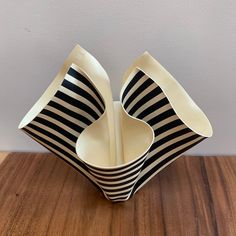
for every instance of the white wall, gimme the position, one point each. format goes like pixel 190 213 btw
pixel 193 40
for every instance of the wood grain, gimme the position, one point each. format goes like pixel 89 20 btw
pixel 41 195
pixel 3 155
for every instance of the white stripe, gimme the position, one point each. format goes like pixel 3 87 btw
pixel 168 132
pixel 119 192
pixel 116 182
pixel 107 188
pixel 157 112
pixel 118 176
pixel 164 122
pixel 119 197
pixel 123 200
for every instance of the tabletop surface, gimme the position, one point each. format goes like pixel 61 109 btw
pixel 41 195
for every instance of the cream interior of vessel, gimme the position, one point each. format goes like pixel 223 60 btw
pixel 116 138
pixel 101 143
pixel 133 138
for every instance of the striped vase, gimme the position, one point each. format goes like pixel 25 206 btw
pixel 119 146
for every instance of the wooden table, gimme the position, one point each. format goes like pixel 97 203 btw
pixel 41 195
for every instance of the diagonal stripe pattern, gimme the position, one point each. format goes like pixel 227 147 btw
pixel 172 137
pixel 75 106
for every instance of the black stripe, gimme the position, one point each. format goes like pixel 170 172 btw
pixel 52 136
pixel 72 72
pixel 135 79
pixel 83 93
pixel 64 121
pixel 169 137
pixel 119 199
pixel 153 108
pixel 155 92
pixel 118 189
pixel 119 184
pixel 160 117
pixel 137 92
pixel 119 194
pixel 167 126
pixel 167 149
pixel 77 103
pixel 70 112
pixel 119 178
pixel 159 165
pixel 56 128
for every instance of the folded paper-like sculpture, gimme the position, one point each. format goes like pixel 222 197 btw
pixel 118 146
